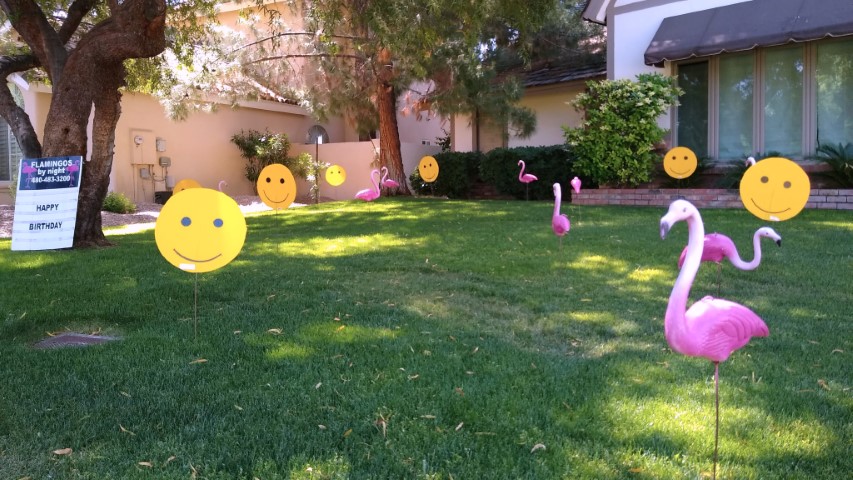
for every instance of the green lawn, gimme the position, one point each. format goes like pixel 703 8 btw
pixel 423 338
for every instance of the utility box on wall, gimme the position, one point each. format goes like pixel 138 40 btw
pixel 143 149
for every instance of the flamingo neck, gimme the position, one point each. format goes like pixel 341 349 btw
pixel 374 179
pixel 558 198
pixel 674 323
pixel 756 259
pixel 385 173
pixel 521 173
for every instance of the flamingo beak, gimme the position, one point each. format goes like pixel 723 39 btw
pixel 664 229
pixel 779 242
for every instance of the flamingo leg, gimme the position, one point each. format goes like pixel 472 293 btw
pixel 719 277
pixel 717 408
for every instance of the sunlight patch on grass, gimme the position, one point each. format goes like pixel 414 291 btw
pixel 841 225
pixel 321 247
pixel 289 351
pixel 347 333
pixel 641 274
pixel 599 262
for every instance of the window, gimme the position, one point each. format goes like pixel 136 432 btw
pixel 779 99
pixel 736 98
pixel 693 111
pixel 834 79
pixel 10 153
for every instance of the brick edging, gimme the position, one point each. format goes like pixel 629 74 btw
pixel 830 199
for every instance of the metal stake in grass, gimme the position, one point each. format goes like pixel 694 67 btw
pixel 195 306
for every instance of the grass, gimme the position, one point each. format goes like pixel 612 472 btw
pixel 431 339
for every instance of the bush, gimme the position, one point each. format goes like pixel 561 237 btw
pixel 615 145
pixel 457 172
pixel 550 165
pixel 260 149
pixel 118 203
pixel 840 158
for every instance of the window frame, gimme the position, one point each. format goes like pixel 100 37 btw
pixel 809 99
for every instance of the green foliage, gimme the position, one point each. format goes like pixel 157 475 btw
pixel 457 172
pixel 118 203
pixel 313 170
pixel 840 158
pixel 550 165
pixel 260 149
pixel 615 145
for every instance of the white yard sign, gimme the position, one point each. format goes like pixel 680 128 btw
pixel 46 203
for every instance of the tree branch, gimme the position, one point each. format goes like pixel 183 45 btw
pixel 305 55
pixel 30 22
pixel 294 34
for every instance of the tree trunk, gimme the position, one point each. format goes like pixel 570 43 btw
pixel 88 230
pixel 390 155
pixel 389 140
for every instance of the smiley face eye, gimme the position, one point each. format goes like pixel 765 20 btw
pixel 787 184
pixel 685 157
pixel 186 221
pixel 217 223
pixel 269 179
pixel 281 181
pixel 764 179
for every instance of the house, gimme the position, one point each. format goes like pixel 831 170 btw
pixel 152 152
pixel 759 76
pixel 549 89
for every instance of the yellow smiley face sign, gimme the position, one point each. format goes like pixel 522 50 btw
pixel 276 186
pixel 200 230
pixel 428 169
pixel 775 189
pixel 185 184
pixel 680 162
pixel 336 175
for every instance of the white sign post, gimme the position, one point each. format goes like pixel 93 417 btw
pixel 46 203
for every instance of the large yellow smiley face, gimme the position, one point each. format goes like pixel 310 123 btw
pixel 428 169
pixel 276 186
pixel 199 230
pixel 336 175
pixel 775 189
pixel 680 162
pixel 185 184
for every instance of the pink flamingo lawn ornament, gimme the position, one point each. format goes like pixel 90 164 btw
pixel 712 328
pixel 71 169
pixel 750 161
pixel 576 184
pixel 525 178
pixel 28 170
pixel 559 222
pixel 387 182
pixel 222 185
pixel 370 194
pixel 717 246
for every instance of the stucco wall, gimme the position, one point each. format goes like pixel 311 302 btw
pixel 553 111
pixel 199 147
pixel 357 160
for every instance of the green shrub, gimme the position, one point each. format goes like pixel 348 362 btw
pixel 118 203
pixel 615 144
pixel 260 149
pixel 550 165
pixel 840 158
pixel 457 172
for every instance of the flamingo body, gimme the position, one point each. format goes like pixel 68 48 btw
pixel 576 184
pixel 525 177
pixel 717 246
pixel 559 222
pixel 711 328
pixel 370 194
